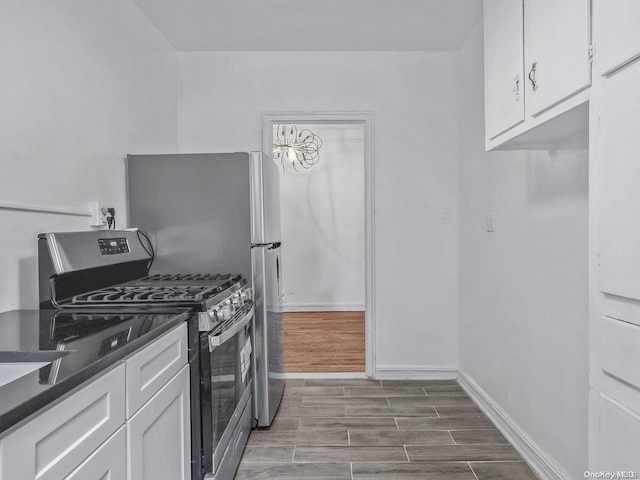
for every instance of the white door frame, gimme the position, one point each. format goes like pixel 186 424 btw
pixel 366 119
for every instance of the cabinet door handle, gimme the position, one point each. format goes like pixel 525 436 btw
pixel 532 76
pixel 516 87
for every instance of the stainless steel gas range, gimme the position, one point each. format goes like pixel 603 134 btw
pixel 108 271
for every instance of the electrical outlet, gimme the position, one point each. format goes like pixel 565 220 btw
pixel 490 222
pixel 98 214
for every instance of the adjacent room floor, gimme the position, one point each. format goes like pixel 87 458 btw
pixel 367 429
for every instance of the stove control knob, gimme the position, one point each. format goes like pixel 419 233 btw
pixel 219 313
pixel 247 294
pixel 236 300
pixel 227 312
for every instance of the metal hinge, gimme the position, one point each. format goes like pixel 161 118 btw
pixel 592 51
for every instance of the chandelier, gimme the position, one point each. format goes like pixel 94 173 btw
pixel 298 148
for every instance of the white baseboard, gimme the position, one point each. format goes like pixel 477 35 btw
pixel 415 373
pixel 321 307
pixel 326 375
pixel 545 467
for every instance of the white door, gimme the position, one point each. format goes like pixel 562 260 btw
pixel 158 435
pixel 556 42
pixel 618 33
pixel 503 60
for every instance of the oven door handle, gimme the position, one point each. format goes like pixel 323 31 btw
pixel 217 340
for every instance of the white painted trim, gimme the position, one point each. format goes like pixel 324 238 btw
pixel 317 307
pixel 40 208
pixel 367 119
pixel 293 375
pixel 410 372
pixel 546 467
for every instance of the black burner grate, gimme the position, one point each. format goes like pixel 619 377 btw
pixel 143 294
pixel 184 277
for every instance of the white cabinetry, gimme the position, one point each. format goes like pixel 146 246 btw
pixel 537 69
pixel 153 366
pixel 619 39
pixel 84 437
pixel 504 71
pixel 108 462
pixel 158 438
pixel 614 407
pixel 55 443
pixel 557 39
pixel 620 193
pixel 158 410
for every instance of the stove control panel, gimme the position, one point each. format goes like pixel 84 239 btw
pixel 236 304
pixel 113 246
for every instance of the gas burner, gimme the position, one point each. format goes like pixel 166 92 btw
pixel 143 294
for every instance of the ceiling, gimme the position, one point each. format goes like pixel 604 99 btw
pixel 314 25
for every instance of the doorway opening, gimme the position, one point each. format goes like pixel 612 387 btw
pixel 327 226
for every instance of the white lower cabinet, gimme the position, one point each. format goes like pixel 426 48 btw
pixel 158 435
pixel 106 463
pixel 90 435
pixel 619 427
pixel 56 442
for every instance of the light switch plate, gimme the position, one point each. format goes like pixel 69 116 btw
pixel 490 222
pixel 443 214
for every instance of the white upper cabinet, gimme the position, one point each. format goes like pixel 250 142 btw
pixel 619 206
pixel 537 70
pixel 557 60
pixel 504 70
pixel 619 33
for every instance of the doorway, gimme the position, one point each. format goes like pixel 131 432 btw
pixel 327 224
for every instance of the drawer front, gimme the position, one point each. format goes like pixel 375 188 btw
pixel 56 442
pixel 151 368
pixel 108 462
pixel 620 351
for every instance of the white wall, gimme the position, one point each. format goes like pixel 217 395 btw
pixel 83 83
pixel 414 99
pixel 524 288
pixel 323 224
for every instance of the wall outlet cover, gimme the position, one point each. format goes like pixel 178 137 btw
pixel 490 222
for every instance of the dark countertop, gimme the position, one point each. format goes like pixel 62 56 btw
pixel 78 346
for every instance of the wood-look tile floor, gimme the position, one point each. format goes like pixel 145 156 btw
pixel 372 430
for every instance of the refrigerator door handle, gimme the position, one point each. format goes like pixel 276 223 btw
pixel 269 246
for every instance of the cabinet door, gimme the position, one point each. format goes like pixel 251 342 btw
pixel 158 436
pixel 503 65
pixel 619 209
pixel 557 40
pixel 108 462
pixel 619 428
pixel 618 33
pixel 54 443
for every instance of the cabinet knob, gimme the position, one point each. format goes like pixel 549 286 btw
pixel 532 76
pixel 516 87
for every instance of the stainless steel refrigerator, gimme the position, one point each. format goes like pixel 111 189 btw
pixel 219 213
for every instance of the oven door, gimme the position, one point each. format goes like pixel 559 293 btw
pixel 226 381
